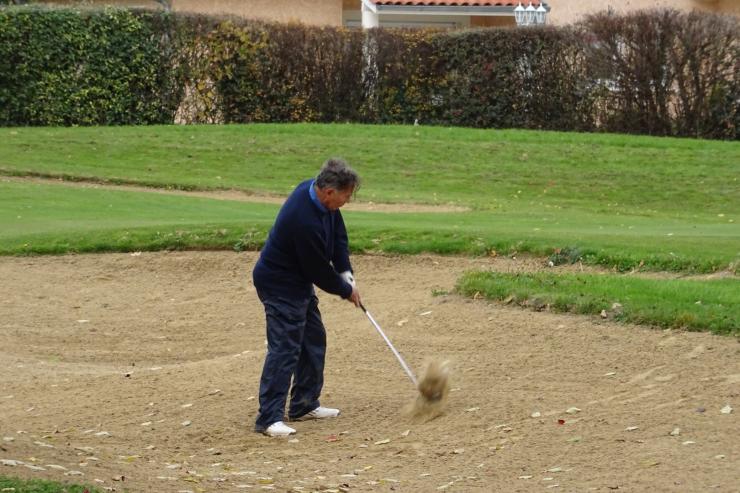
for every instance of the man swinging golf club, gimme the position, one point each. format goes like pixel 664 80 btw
pixel 307 245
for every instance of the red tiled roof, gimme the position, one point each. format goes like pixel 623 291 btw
pixel 453 3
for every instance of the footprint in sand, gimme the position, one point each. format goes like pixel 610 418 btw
pixel 732 378
pixel 665 378
pixel 639 378
pixel 668 341
pixel 696 352
pixel 642 376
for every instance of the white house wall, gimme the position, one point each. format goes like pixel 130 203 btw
pixel 353 18
pixel 567 11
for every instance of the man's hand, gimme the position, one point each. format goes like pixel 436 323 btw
pixel 348 278
pixel 354 297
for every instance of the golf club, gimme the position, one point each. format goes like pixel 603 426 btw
pixel 387 341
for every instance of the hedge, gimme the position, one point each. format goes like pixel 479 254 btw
pixel 63 68
pixel 657 72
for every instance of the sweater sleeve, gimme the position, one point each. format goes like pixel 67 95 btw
pixel 341 245
pixel 316 267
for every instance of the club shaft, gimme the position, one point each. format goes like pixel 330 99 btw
pixel 390 345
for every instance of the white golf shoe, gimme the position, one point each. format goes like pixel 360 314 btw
pixel 320 413
pixel 278 429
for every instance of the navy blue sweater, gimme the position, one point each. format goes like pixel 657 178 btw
pixel 306 246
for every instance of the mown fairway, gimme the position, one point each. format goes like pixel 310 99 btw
pixel 669 203
pixel 622 202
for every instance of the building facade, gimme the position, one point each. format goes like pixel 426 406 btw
pixel 412 13
pixel 349 13
pixel 568 11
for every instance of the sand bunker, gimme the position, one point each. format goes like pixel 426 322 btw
pixel 140 373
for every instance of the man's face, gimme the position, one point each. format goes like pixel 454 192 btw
pixel 334 199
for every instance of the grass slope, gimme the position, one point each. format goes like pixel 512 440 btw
pixel 488 169
pixel 621 200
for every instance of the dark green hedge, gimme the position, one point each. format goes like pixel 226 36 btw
pixel 659 72
pixel 63 67
pixel 523 78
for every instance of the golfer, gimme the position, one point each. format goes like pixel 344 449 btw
pixel 307 245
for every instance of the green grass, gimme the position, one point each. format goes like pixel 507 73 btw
pixel 669 303
pixel 621 200
pixel 59 219
pixel 36 218
pixel 612 200
pixel 41 486
pixel 500 170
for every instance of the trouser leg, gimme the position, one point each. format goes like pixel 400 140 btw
pixel 309 374
pixel 286 322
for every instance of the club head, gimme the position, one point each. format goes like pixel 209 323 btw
pixel 434 385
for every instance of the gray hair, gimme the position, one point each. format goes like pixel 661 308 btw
pixel 336 174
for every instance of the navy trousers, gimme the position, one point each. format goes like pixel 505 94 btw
pixel 296 350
